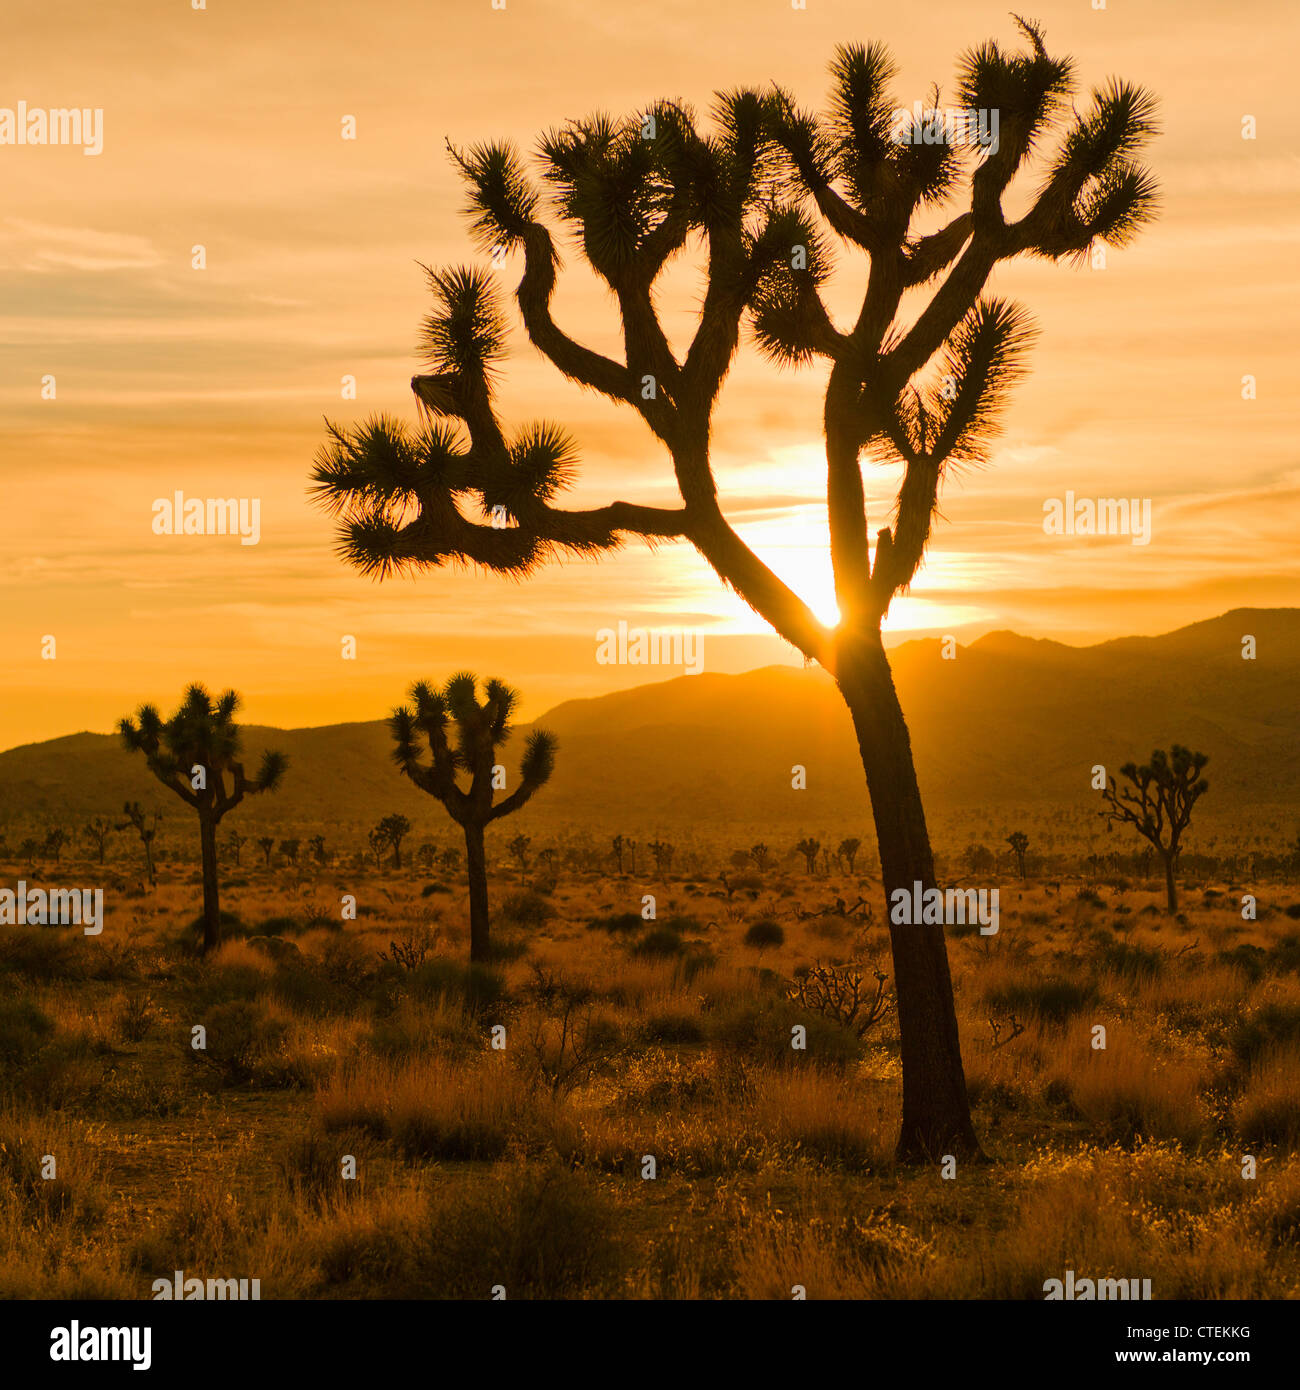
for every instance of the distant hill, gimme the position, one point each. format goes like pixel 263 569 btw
pixel 1011 721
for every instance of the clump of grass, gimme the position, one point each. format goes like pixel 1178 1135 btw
pixel 764 933
pixel 1053 1000
pixel 537 1232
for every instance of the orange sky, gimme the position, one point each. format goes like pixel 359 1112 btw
pixel 222 128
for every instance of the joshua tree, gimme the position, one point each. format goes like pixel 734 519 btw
pixel 663 856
pixel 450 860
pixel 548 857
pixel 236 841
pixel 27 852
pixel 917 386
pixel 55 839
pixel 317 847
pixel 1019 843
pixel 810 849
pixel 97 832
pixel 480 730
pixel 195 754
pixel 267 845
pixel 848 852
pixel 619 845
pixel 146 826
pixel 519 848
pixel 1158 803
pixel 391 831
pixel 290 848
pixel 758 854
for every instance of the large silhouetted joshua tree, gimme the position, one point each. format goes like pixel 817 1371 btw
pixel 422 729
pixel 1158 803
pixel 196 754
pixel 915 376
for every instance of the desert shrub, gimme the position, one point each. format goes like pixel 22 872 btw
pixel 528 909
pixel 618 922
pixel 761 1030
pixel 191 939
pixel 1054 1001
pixel 659 941
pixel 310 1165
pixel 276 926
pixel 42 954
pixel 1253 960
pixel 477 987
pixel 672 1026
pixel 1269 1109
pixel 24 1030
pixel 1130 961
pixel 1292 910
pixel 544 1232
pixel 764 933
pixel 1271 1026
pixel 245 1043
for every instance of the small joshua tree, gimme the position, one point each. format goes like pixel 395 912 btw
pixel 519 848
pixel 146 826
pixel 97 832
pixel 619 845
pixel 663 855
pixel 317 846
pixel 290 848
pixel 848 852
pixel 758 854
pixel 480 730
pixel 392 830
pixel 1158 803
pixel 267 845
pixel 236 841
pixel 196 754
pixel 1019 843
pixel 810 849
pixel 55 839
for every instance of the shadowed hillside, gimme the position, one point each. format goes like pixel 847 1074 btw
pixel 1008 721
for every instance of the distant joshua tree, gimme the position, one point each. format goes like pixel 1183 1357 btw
pixel 317 847
pixel 290 848
pixel 619 844
pixel 27 852
pixel 480 729
pixel 146 826
pixel 391 831
pixel 519 848
pixel 1158 803
pixel 758 855
pixel 1019 843
pixel 915 376
pixel 195 754
pixel 236 841
pixel 848 852
pixel 267 845
pixel 449 859
pixel 663 856
pixel 97 832
pixel 810 849
pixel 548 857
pixel 55 839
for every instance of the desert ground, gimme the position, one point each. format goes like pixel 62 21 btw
pixel 525 1167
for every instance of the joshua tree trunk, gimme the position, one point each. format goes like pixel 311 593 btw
pixel 936 1110
pixel 1171 888
pixel 211 901
pixel 476 864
